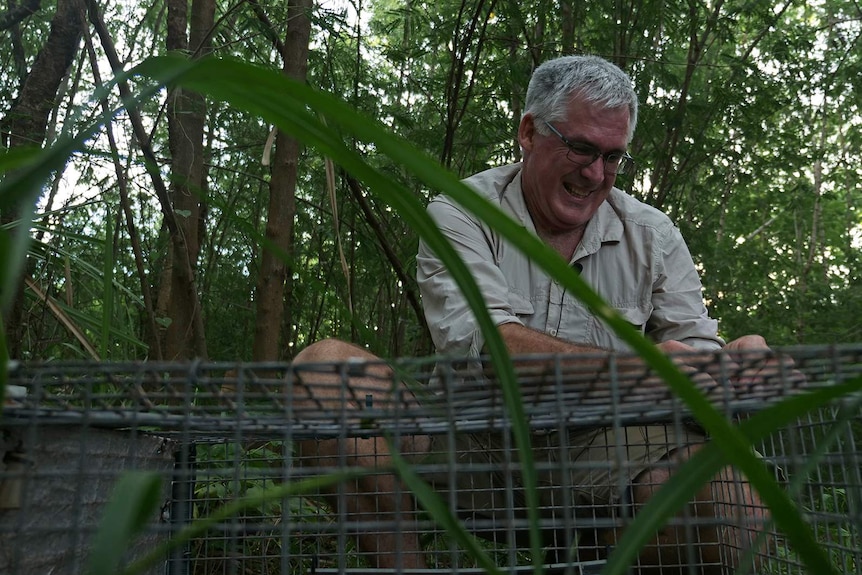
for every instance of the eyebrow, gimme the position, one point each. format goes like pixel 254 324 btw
pixel 592 145
pixel 569 142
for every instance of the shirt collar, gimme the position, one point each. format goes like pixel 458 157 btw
pixel 604 227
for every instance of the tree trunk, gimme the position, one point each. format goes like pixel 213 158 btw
pixel 567 24
pixel 270 293
pixel 27 121
pixel 184 337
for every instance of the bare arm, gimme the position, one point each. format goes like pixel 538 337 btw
pixel 521 340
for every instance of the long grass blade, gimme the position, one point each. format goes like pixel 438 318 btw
pixel 64 319
pixel 294 107
pixel 288 111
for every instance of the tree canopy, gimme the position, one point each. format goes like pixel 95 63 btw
pixel 187 228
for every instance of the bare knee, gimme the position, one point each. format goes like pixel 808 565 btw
pixel 331 350
pixel 727 512
pixel 675 546
pixel 319 378
pixel 742 518
pixel 650 480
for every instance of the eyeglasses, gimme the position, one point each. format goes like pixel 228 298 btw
pixel 584 155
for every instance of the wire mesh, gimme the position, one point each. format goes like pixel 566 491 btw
pixel 264 438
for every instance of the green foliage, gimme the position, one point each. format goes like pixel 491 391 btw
pixel 749 126
pixel 729 444
pixel 739 105
pixel 226 483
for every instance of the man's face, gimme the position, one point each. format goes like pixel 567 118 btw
pixel 561 195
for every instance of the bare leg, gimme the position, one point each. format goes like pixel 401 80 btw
pixel 726 515
pixel 378 499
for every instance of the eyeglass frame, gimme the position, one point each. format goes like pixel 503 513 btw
pixel 626 162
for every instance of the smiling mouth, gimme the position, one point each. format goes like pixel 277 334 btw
pixel 576 192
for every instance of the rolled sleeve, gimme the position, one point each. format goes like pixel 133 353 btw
pixel 452 324
pixel 679 312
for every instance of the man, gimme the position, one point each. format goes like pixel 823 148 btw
pixel 580 115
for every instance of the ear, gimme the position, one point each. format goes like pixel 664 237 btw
pixel 526 132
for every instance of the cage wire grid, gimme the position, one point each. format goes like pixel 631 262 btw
pixel 218 433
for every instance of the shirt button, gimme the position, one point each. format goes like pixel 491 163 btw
pixel 553 332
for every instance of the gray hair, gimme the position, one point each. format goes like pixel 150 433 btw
pixel 556 82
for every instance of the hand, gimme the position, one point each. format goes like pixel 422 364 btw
pixel 758 367
pixel 744 367
pixel 699 365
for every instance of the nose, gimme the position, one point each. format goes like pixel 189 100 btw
pixel 595 171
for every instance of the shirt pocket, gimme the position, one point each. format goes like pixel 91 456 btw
pixel 637 316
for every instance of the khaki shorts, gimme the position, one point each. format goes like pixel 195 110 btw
pixel 589 469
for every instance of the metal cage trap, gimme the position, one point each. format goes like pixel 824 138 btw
pixel 292 465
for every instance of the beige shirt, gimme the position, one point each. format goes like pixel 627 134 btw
pixel 631 254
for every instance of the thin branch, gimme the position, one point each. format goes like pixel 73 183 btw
pixel 269 28
pixel 150 163
pixel 762 227
pixel 17 14
pixel 394 261
pixel 122 183
pixel 63 318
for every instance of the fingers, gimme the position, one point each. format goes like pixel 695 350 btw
pixel 748 342
pixel 765 370
pixel 747 372
pixel 694 363
pixel 745 367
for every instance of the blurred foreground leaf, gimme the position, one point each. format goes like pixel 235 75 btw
pixel 297 109
pixel 131 507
